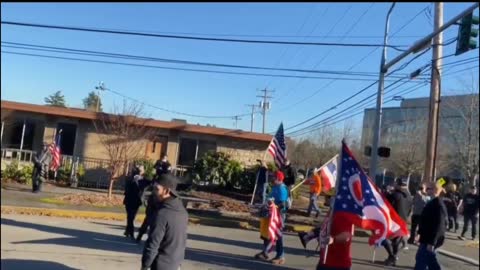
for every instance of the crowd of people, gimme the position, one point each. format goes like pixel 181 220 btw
pixel 432 211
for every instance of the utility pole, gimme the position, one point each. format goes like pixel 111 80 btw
pixel 236 118
pixel 101 86
pixel 265 105
pixel 434 112
pixel 252 120
pixel 378 117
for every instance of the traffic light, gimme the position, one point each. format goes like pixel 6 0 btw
pixel 467 34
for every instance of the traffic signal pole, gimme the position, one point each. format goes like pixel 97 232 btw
pixel 416 47
pixel 378 116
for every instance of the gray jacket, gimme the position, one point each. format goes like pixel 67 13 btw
pixel 419 202
pixel 42 162
pixel 167 238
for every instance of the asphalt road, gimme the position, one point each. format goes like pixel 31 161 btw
pixel 41 243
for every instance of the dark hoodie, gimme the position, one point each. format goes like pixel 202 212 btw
pixel 167 238
pixel 401 200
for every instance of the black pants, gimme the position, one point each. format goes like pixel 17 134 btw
pixel 36 182
pixel 452 221
pixel 392 246
pixel 413 227
pixel 467 219
pixel 131 214
pixel 143 229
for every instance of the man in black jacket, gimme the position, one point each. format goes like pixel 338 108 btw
pixel 167 238
pixel 401 201
pixel 133 198
pixel 432 229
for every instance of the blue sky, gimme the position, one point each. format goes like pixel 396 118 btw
pixel 30 79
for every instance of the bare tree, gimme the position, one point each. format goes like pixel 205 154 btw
pixel 407 144
pixel 122 134
pixel 463 130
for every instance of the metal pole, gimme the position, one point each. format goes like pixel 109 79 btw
pixel 378 116
pixel 1 138
pixel 23 136
pixel 383 177
pixel 98 100
pixel 422 42
pixel 433 119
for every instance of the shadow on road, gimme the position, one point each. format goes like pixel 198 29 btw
pixel 77 238
pixel 377 264
pixel 14 264
pixel 229 260
pixel 101 241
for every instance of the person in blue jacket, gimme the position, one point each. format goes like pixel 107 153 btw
pixel 279 194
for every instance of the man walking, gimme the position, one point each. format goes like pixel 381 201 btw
pixel 432 230
pixel 419 201
pixel 315 189
pixel 133 199
pixel 470 206
pixel 167 238
pixel 41 163
pixel 452 200
pixel 401 201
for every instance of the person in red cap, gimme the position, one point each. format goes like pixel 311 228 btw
pixel 279 194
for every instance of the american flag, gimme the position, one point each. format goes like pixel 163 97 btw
pixel 278 148
pixel 329 174
pixel 275 225
pixel 359 201
pixel 55 150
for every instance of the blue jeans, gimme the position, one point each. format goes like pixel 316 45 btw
pixel 313 204
pixel 426 259
pixel 278 244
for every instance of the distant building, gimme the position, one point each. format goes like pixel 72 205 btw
pixel 405 127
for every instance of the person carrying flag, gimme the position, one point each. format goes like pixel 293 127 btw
pixel 315 189
pixel 278 207
pixel 358 202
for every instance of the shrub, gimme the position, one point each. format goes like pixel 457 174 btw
pixel 81 172
pixel 25 175
pixel 148 165
pixel 63 173
pixel 11 171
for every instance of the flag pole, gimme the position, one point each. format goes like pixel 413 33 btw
pixel 374 250
pixel 256 178
pixel 332 205
pixel 306 178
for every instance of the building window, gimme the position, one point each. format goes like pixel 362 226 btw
pixel 191 150
pixel 206 146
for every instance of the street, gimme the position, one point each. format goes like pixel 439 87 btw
pixel 53 243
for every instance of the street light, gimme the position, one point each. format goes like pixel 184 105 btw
pixel 101 86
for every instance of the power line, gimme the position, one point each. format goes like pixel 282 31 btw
pixel 328 33
pixel 96 30
pixel 422 69
pixel 345 118
pixel 175 112
pixel 356 64
pixel 183 69
pixel 298 32
pixel 339 114
pixel 36 47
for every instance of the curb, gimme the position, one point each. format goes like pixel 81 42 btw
pixel 458 257
pixel 63 213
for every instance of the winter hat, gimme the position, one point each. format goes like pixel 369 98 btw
pixel 280 176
